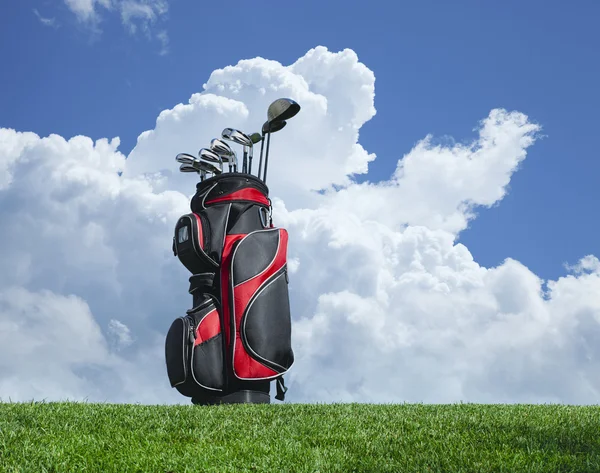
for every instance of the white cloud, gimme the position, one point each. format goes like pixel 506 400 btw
pixel 387 305
pixel 163 38
pixel 120 333
pixel 45 21
pixel 85 10
pixel 135 14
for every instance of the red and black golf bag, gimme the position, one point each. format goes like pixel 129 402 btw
pixel 236 339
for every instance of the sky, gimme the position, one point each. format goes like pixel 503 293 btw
pixel 455 243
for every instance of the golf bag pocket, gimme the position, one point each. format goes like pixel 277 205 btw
pixel 191 243
pixel 260 310
pixel 194 352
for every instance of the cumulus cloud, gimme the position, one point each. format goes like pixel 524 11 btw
pixel 387 304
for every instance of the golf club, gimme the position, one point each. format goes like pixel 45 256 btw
pixel 185 158
pixel 279 111
pixel 268 128
pixel 210 155
pixel 276 126
pixel 282 109
pixel 187 168
pixel 224 151
pixel 240 138
pixel 255 138
pixel 206 167
pixel 191 168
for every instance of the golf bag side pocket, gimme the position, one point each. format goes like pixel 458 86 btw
pixel 260 309
pixel 192 242
pixel 194 352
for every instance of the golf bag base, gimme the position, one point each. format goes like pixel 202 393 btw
pixel 237 337
pixel 239 397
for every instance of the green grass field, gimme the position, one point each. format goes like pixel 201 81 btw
pixel 76 437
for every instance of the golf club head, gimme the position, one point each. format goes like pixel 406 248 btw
pixel 185 158
pixel 220 147
pixel 240 138
pixel 274 127
pixel 208 167
pixel 210 155
pixel 230 134
pixel 256 138
pixel 282 109
pixel 187 168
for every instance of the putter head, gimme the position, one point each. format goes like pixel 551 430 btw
pixel 185 158
pixel 230 134
pixel 282 109
pixel 274 127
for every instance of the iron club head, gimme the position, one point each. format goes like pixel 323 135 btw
pixel 185 158
pixel 208 167
pixel 240 138
pixel 224 151
pixel 187 168
pixel 210 155
pixel 231 134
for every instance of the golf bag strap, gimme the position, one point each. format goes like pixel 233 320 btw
pixel 203 282
pixel 281 389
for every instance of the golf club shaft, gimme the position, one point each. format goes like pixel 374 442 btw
pixel 245 162
pixel 262 142
pixel 267 156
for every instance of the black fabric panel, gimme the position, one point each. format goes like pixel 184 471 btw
pixel 267 328
pixel 237 210
pixel 217 216
pixel 208 363
pixel 247 222
pixel 189 250
pixel 254 254
pixel 202 282
pixel 225 184
pixel 176 351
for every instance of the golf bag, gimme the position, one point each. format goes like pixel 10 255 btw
pixel 236 338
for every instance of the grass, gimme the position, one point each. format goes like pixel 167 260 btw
pixel 76 437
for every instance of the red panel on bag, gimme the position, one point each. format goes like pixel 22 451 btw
pixel 208 327
pixel 244 365
pixel 248 193
pixel 230 240
pixel 200 235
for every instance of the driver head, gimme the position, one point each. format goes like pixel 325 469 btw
pixel 272 127
pixel 282 109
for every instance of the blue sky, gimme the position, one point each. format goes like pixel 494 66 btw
pixel 439 68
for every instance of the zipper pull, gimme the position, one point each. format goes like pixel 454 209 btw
pixel 192 334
